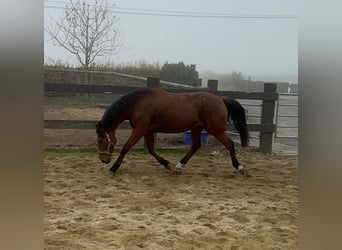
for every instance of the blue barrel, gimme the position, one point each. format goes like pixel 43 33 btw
pixel 188 141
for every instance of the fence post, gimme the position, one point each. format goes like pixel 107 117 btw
pixel 198 82
pixel 78 77
pixel 267 117
pixel 277 115
pixel 86 76
pixel 90 78
pixel 212 84
pixel 152 82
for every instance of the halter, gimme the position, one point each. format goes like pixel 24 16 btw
pixel 109 145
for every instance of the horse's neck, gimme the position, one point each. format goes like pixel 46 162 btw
pixel 112 121
pixel 116 124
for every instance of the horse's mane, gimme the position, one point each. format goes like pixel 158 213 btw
pixel 120 106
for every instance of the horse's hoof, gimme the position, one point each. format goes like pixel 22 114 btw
pixel 241 169
pixel 178 168
pixel 176 171
pixel 167 166
pixel 110 173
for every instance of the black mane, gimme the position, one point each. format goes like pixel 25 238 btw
pixel 117 108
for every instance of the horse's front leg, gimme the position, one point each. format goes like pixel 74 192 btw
pixel 149 139
pixel 117 163
pixel 132 140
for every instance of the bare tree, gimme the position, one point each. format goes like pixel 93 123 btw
pixel 87 31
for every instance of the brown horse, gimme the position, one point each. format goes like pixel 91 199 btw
pixel 155 110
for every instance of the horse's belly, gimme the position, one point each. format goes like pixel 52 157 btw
pixel 176 126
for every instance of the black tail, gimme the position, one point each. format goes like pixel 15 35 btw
pixel 237 113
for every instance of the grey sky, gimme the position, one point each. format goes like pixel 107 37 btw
pixel 253 46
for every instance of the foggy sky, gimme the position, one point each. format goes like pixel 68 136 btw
pixel 222 45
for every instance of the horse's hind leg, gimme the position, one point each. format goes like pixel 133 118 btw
pixel 149 139
pixel 195 145
pixel 229 145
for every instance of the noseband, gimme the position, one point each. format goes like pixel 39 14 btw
pixel 109 145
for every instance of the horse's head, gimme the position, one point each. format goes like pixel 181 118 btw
pixel 105 144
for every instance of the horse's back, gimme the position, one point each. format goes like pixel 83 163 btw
pixel 163 111
pixel 192 103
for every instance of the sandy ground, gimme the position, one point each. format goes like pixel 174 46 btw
pixel 208 206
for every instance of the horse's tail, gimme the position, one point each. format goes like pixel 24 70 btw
pixel 237 113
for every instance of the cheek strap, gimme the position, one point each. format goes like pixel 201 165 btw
pixel 109 145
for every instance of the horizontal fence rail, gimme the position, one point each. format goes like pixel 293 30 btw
pixel 90 124
pixel 269 97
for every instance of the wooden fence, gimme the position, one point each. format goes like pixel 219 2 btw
pixel 268 98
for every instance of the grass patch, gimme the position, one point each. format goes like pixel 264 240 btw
pixel 70 152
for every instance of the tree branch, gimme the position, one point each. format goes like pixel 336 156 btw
pixel 87 31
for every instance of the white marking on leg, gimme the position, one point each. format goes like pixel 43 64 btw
pixel 179 166
pixel 241 169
